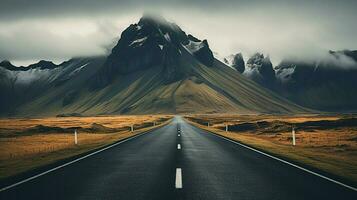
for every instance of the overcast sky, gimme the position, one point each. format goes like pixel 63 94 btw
pixel 58 30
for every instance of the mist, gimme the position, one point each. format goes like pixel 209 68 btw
pixel 303 30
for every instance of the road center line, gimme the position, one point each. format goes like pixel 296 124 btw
pixel 179 135
pixel 179 146
pixel 178 182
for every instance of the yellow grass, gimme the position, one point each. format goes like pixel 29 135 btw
pixel 331 150
pixel 65 122
pixel 21 153
pixel 234 118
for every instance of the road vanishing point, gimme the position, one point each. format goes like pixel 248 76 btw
pixel 176 161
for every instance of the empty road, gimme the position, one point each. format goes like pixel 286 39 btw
pixel 178 161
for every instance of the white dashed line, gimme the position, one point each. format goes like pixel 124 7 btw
pixel 178 182
pixel 179 146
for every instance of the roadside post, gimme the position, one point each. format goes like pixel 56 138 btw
pixel 226 127
pixel 208 124
pixel 75 137
pixel 293 133
pixel 132 128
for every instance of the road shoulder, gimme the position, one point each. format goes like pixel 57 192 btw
pixel 278 151
pixel 74 156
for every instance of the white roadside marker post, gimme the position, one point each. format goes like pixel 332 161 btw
pixel 208 124
pixel 293 132
pixel 132 128
pixel 75 137
pixel 154 124
pixel 226 127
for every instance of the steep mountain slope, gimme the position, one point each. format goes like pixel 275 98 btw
pixel 236 61
pixel 327 85
pixel 22 86
pixel 260 69
pixel 320 85
pixel 154 68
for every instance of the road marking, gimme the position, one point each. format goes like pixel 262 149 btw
pixel 179 146
pixel 286 162
pixel 71 162
pixel 178 182
pixel 179 135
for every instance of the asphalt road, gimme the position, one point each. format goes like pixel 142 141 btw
pixel 149 166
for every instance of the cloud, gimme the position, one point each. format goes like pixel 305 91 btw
pixel 57 39
pixel 60 30
pixel 278 32
pixel 339 60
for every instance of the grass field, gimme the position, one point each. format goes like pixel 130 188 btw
pixel 29 143
pixel 328 143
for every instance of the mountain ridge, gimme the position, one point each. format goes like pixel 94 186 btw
pixel 326 84
pixel 154 68
pixel 42 64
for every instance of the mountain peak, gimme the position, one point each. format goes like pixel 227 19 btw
pixel 8 65
pixel 149 18
pixel 260 69
pixel 43 64
pixel 236 61
pixel 155 43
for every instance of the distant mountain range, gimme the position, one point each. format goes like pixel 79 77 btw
pixel 155 68
pixel 329 84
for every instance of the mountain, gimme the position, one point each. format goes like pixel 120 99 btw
pixel 43 64
pixel 260 69
pixel 154 42
pixel 41 85
pixel 325 85
pixel 236 61
pixel 8 65
pixel 154 68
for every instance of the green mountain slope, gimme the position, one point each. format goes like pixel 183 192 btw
pixel 155 68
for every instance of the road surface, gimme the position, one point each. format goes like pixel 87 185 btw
pixel 186 164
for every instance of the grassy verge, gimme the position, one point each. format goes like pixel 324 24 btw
pixel 19 154
pixel 342 166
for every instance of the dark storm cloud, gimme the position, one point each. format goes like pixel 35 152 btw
pixel 43 29
pixel 21 9
pixel 24 9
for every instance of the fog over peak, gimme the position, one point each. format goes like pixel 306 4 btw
pixel 56 31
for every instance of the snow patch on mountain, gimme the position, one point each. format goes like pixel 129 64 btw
pixel 167 37
pixel 30 76
pixel 27 77
pixel 284 74
pixel 219 57
pixel 138 27
pixel 138 42
pixel 252 72
pixel 193 46
pixel 76 71
pixel 229 60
